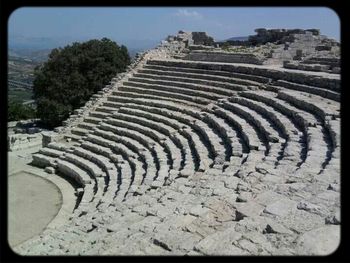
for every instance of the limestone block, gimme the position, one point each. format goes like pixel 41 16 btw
pixel 320 241
pixel 50 170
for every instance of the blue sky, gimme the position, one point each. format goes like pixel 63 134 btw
pixel 135 26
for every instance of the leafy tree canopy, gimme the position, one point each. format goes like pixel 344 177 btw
pixel 72 74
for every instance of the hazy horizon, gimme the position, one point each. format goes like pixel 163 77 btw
pixel 143 28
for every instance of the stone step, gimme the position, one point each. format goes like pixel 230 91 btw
pixel 51 152
pixel 207 72
pixel 329 94
pixel 263 126
pixel 93 120
pixel 155 138
pixel 151 155
pixel 108 109
pixel 185 125
pixel 126 97
pixel 318 106
pixel 225 89
pixel 202 75
pixel 74 137
pixel 275 74
pixel 86 126
pixel 73 171
pixel 172 88
pixel 80 132
pixel 173 146
pixel 85 164
pixel 42 160
pixel 167 124
pixel 312 128
pixel 247 132
pixel 99 114
pixel 136 166
pixel 58 146
pixel 291 133
pixel 138 93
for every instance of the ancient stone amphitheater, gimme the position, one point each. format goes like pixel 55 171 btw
pixel 184 157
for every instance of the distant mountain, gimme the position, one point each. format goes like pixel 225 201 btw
pixel 36 43
pixel 35 55
pixel 241 38
pixel 37 48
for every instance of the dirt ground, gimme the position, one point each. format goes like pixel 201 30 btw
pixel 33 202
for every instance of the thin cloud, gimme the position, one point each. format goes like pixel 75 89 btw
pixel 188 14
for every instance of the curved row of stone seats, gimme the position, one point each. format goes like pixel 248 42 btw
pixel 166 91
pixel 88 123
pixel 153 67
pixel 323 110
pixel 274 139
pixel 111 164
pixel 311 103
pixel 225 132
pixel 79 132
pixel 255 147
pixel 108 109
pixel 158 113
pixel 202 128
pixel 133 92
pixel 310 125
pixel 99 115
pixel 157 139
pixel 84 180
pixel 289 132
pixel 330 83
pixel 326 110
pixel 92 120
pixel 172 146
pixel 161 124
pixel 121 147
pixel 325 93
pixel 130 168
pixel 247 132
pixel 207 133
pixel 123 129
pixel 194 77
pixel 42 160
pixel 129 148
pixel 51 152
pixel 269 136
pixel 118 97
pixel 88 162
pixel 216 87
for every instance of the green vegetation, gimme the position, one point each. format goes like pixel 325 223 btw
pixel 19 95
pixel 18 111
pixel 72 74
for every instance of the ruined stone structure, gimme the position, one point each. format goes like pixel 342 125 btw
pixel 185 157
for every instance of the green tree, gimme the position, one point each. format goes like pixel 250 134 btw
pixel 72 74
pixel 17 111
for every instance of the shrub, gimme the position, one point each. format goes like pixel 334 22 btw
pixel 17 111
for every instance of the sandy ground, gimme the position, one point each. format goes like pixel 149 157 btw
pixel 33 202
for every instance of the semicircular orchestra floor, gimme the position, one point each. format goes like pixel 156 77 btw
pixel 33 202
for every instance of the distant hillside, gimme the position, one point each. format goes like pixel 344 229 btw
pixel 242 38
pixel 35 55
